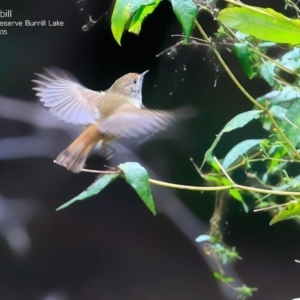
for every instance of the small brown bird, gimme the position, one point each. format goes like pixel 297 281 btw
pixel 117 112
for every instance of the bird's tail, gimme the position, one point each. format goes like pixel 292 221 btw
pixel 75 155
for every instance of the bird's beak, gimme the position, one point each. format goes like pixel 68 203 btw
pixel 144 73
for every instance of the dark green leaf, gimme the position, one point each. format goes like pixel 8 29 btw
pixel 244 56
pixel 138 178
pixel 140 15
pixel 92 190
pixel 185 11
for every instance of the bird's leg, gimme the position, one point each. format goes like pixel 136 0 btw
pixel 107 151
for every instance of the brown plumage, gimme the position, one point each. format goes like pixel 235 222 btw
pixel 75 155
pixel 117 112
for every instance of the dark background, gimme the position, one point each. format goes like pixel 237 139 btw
pixel 110 246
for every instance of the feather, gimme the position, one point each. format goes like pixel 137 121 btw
pixel 67 99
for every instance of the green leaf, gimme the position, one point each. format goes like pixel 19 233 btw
pixel 228 279
pixel 291 128
pixel 287 94
pixel 235 193
pixel 290 211
pixel 208 154
pixel 278 111
pixel 262 23
pixel 241 120
pixel 238 150
pixel 224 279
pixel 92 190
pixel 279 100
pixel 185 11
pixel 237 122
pixel 123 12
pixel 218 275
pixel 291 185
pixel 213 178
pixel 138 178
pixel 267 71
pixel 291 60
pixel 276 163
pixel 245 58
pixel 140 15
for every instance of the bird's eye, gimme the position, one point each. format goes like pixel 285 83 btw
pixel 134 81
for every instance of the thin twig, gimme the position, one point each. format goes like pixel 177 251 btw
pixel 88 170
pixel 223 170
pixel 195 166
pixel 271 207
pixel 170 48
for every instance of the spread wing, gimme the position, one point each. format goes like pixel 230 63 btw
pixel 135 122
pixel 67 98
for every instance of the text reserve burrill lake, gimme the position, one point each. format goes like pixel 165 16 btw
pixel 41 23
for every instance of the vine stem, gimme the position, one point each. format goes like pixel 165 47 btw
pixel 222 62
pixel 220 188
pixel 243 90
pixel 205 188
pixel 283 136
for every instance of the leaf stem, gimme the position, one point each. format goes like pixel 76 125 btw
pixel 223 170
